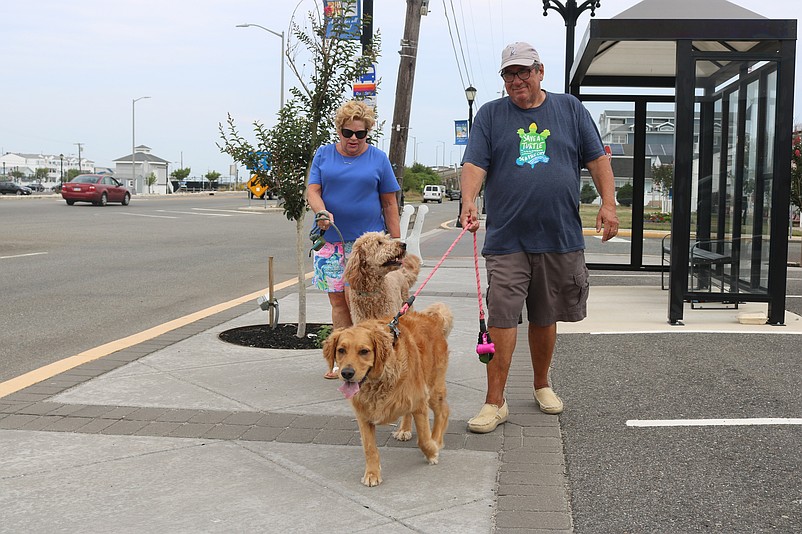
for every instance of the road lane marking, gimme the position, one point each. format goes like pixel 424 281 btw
pixel 144 215
pixel 238 212
pixel 195 213
pixel 22 255
pixel 48 371
pixel 754 421
pixel 613 239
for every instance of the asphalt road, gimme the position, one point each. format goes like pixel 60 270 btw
pixel 75 277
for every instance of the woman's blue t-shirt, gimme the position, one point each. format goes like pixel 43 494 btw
pixel 350 188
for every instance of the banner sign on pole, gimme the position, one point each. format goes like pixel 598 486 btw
pixel 460 132
pixel 348 20
pixel 365 87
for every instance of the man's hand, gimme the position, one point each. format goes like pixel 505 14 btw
pixel 469 218
pixel 608 220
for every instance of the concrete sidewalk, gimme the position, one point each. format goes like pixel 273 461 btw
pixel 186 433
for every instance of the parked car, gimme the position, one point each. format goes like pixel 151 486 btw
pixel 99 189
pixel 37 187
pixel 11 188
pixel 433 193
pixel 454 194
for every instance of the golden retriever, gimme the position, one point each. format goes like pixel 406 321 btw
pixel 387 377
pixel 379 274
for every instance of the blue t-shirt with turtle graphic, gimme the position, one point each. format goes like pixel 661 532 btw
pixel 533 158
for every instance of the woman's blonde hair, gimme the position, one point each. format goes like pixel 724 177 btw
pixel 355 110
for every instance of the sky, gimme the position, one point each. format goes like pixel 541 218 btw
pixel 71 70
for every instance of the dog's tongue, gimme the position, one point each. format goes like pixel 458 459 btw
pixel 349 389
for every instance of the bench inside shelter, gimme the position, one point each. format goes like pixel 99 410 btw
pixel 710 263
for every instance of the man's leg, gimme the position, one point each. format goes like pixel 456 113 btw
pixel 542 340
pixel 498 368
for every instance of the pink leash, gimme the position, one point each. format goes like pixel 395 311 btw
pixel 485 347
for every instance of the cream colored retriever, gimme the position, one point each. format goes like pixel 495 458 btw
pixel 388 377
pixel 379 274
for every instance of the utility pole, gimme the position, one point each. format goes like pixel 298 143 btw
pixel 403 90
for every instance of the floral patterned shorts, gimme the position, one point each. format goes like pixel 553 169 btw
pixel 329 264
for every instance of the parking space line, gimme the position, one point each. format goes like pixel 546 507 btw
pixel 753 421
pixel 22 255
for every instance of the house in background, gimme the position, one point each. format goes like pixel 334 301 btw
pixel 54 163
pixel 132 170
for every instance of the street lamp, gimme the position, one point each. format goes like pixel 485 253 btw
pixel 61 158
pixel 277 34
pixel 444 153
pixel 470 94
pixel 133 136
pixel 570 12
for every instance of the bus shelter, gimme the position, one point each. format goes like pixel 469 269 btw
pixel 728 76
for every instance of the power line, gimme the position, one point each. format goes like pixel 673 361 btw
pixel 453 45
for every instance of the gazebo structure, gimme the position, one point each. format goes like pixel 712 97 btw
pixel 728 74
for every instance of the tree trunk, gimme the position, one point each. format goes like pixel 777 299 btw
pixel 299 263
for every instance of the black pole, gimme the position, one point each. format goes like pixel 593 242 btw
pixel 570 13
pixel 367 26
pixel 470 124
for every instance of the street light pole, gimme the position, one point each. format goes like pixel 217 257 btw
pixel 133 137
pixel 61 159
pixel 570 12
pixel 470 95
pixel 277 34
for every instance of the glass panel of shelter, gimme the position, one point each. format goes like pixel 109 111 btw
pixel 732 182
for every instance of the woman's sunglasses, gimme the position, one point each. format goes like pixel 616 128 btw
pixel 360 134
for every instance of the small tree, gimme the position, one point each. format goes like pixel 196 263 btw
pixel 41 174
pixel 624 194
pixel 150 181
pixel 588 194
pixel 181 174
pixel 212 176
pixel 283 154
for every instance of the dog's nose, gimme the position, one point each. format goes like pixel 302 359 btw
pixel 403 246
pixel 348 373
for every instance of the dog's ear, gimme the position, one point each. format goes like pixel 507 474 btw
pixel 330 347
pixel 352 265
pixel 382 348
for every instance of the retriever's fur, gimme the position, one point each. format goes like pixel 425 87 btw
pixel 396 377
pixel 380 274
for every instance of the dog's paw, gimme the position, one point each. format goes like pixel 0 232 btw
pixel 371 479
pixel 433 460
pixel 402 435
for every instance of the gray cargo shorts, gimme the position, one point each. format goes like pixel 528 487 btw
pixel 554 287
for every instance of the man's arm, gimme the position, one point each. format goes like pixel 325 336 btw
pixel 602 173
pixel 471 184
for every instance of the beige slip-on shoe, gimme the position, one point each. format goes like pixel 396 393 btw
pixel 488 418
pixel 548 401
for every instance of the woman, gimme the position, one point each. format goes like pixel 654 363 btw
pixel 351 185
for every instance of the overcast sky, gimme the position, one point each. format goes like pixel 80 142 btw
pixel 70 70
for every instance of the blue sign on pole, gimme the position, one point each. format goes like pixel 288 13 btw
pixel 460 132
pixel 343 19
pixel 262 162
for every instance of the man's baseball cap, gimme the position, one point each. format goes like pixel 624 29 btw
pixel 519 53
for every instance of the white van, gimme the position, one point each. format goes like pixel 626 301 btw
pixel 433 193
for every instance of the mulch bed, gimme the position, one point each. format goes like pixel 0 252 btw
pixel 282 337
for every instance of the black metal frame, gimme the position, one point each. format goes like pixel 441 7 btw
pixel 775 42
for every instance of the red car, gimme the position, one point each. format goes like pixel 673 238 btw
pixel 99 189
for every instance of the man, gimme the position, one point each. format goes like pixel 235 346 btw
pixel 529 148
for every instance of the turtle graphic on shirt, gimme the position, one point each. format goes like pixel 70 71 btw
pixel 533 146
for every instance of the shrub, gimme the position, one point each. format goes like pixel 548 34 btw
pixel 588 194
pixel 624 195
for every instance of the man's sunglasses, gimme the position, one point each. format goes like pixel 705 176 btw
pixel 360 134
